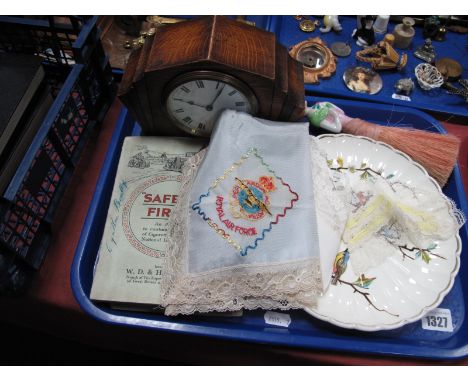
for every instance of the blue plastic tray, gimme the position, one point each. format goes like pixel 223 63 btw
pixel 288 33
pixel 304 331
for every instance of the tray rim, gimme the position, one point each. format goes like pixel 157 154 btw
pixel 361 344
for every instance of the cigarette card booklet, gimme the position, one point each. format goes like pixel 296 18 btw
pixel 128 267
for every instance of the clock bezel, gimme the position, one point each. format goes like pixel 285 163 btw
pixel 207 75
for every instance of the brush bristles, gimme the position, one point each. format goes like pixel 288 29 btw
pixel 437 153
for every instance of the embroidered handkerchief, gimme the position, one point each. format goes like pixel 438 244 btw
pixel 244 233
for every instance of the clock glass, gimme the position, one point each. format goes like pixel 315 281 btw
pixel 195 100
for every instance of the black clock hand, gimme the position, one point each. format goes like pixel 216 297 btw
pixel 189 102
pixel 210 106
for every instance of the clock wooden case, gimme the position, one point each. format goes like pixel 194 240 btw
pixel 187 73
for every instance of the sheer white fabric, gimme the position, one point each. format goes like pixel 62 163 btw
pixel 386 216
pixel 204 271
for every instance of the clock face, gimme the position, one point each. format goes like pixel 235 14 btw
pixel 194 104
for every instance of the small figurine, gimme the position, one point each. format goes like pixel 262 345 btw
pixel 381 24
pixel 441 32
pixel 331 22
pixel 364 35
pixel 431 27
pixel 404 86
pixel 426 52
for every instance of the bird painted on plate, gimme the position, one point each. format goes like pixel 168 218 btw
pixel 339 265
pixel 252 200
pixel 364 282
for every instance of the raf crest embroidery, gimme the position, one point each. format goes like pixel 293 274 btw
pixel 249 199
pixel 244 203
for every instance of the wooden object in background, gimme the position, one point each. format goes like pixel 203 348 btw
pixel 280 91
pixel 140 85
pixel 126 92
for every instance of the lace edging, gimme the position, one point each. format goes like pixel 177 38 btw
pixel 294 286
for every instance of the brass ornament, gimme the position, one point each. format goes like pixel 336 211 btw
pixel 308 25
pixel 316 58
pixel 160 20
pixel 140 41
pixel 382 57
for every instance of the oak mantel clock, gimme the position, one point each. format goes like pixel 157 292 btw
pixel 195 69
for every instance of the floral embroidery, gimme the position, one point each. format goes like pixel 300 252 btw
pixel 268 183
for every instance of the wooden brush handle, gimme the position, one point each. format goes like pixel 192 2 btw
pixel 358 126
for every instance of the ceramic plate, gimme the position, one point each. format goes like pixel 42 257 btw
pixel 402 289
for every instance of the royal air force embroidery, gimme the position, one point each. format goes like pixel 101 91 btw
pixel 243 208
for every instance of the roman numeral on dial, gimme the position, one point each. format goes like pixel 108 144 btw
pixel 185 89
pixel 200 84
pixel 240 103
pixel 187 120
pixel 232 93
pixel 201 126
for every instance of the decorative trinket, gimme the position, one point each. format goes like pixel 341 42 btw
pixel 404 86
pixel 426 52
pixel 317 59
pixel 404 33
pixel 308 25
pixel 382 56
pixel 161 20
pixel 440 36
pixel 331 22
pixel 450 69
pixel 362 80
pixel 463 91
pixel 341 49
pixel 364 35
pixel 428 76
pixel 140 41
pixel 431 27
pixel 381 24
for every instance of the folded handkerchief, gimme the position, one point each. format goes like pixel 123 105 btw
pixel 386 218
pixel 244 233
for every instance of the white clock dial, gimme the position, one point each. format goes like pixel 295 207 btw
pixel 195 105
